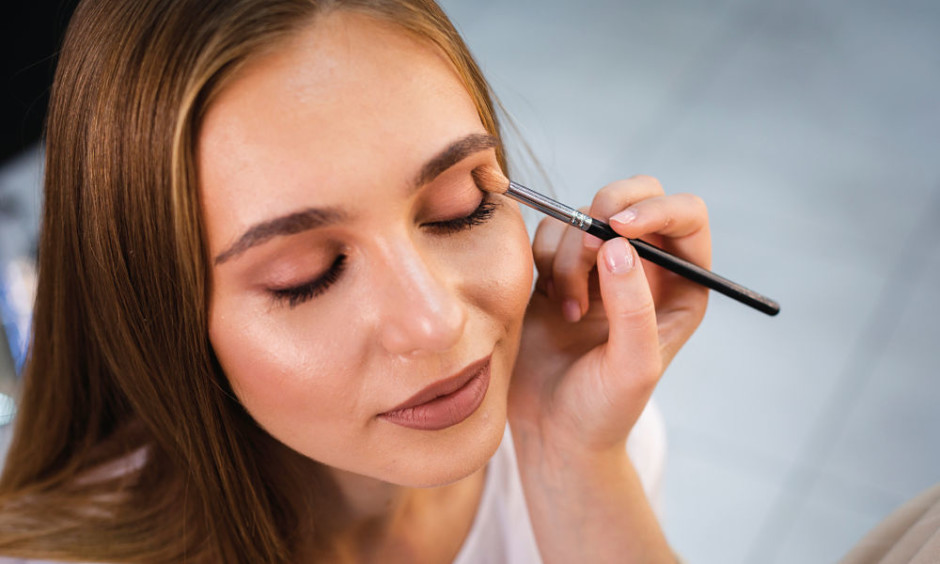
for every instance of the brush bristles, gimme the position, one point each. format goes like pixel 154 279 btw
pixel 490 179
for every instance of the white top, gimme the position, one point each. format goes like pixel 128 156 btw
pixel 501 532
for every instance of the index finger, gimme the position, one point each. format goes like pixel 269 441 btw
pixel 577 253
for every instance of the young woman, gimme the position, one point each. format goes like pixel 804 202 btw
pixel 277 321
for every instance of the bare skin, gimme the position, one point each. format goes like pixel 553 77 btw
pixel 355 262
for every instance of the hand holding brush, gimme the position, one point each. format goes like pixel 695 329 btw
pixel 492 180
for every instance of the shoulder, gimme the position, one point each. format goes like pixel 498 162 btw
pixel 910 534
pixel 502 530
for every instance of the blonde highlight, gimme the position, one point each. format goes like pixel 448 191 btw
pixel 130 445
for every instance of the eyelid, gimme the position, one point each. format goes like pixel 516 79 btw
pixel 296 295
pixel 481 214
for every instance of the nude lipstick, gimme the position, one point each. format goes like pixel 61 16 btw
pixel 444 403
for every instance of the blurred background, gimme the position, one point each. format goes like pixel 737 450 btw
pixel 29 37
pixel 812 130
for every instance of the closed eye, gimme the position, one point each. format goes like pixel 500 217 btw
pixel 480 215
pixel 297 295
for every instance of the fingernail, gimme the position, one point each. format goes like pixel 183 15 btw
pixel 619 256
pixel 591 242
pixel 571 310
pixel 624 217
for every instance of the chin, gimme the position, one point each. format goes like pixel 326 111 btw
pixel 456 453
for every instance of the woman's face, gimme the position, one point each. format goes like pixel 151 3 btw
pixel 354 261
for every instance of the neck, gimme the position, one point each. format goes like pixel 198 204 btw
pixel 374 520
pixel 370 500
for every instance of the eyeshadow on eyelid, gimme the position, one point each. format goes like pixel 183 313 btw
pixel 452 209
pixel 460 192
pixel 293 262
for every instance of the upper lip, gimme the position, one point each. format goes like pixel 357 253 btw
pixel 443 387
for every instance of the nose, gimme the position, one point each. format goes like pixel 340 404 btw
pixel 422 311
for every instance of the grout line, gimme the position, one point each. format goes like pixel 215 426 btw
pixel 883 321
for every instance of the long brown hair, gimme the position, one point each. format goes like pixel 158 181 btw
pixel 129 444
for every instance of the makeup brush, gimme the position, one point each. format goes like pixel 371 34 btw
pixel 490 179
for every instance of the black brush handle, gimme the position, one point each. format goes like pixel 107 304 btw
pixel 688 270
pixel 649 252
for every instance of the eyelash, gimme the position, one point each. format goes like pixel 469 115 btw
pixel 307 291
pixel 297 295
pixel 479 216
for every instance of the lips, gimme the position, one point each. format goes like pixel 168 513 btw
pixel 446 402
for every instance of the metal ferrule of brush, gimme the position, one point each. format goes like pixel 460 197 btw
pixel 549 206
pixel 646 251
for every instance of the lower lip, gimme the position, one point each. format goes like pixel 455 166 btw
pixel 445 411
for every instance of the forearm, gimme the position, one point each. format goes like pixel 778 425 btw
pixel 588 507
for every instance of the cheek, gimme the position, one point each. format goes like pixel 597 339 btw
pixel 503 270
pixel 276 374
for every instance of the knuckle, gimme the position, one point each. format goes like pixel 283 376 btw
pixel 543 232
pixel 648 371
pixel 606 199
pixel 649 181
pixel 542 250
pixel 545 241
pixel 696 202
pixel 640 315
pixel 543 260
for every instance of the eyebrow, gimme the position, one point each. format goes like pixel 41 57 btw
pixel 312 218
pixel 453 154
pixel 291 224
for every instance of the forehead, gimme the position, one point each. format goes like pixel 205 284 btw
pixel 348 102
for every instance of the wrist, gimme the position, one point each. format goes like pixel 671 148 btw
pixel 587 504
pixel 557 460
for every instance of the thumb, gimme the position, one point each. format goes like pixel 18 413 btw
pixel 632 360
